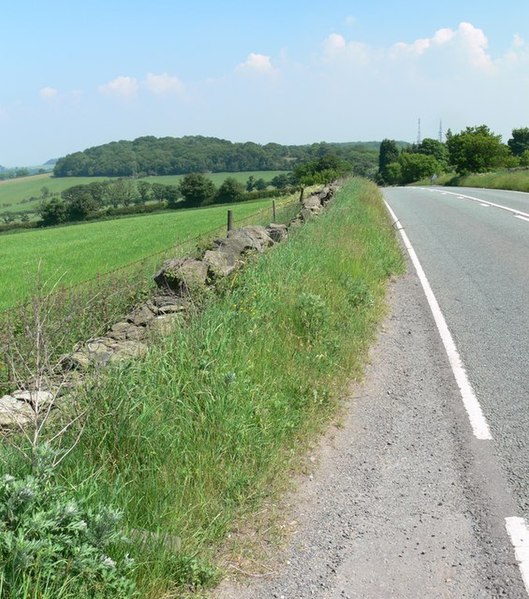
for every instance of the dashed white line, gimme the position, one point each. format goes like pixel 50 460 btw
pixel 519 535
pixel 477 419
pixel 513 211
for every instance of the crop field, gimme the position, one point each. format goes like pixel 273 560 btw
pixel 76 253
pixel 15 193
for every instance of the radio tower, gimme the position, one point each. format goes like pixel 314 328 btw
pixel 419 132
pixel 441 131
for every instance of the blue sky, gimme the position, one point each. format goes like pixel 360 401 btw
pixel 76 74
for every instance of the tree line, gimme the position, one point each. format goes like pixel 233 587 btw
pixel 472 150
pixel 147 156
pixel 126 196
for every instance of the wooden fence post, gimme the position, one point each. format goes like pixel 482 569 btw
pixel 273 211
pixel 230 220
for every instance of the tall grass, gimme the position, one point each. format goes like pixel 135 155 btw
pixel 516 180
pixel 197 433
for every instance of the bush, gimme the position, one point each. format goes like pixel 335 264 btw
pixel 51 546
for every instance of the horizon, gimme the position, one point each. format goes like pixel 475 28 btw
pixel 318 72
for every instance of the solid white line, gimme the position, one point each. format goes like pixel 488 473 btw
pixel 482 202
pixel 519 535
pixel 521 217
pixel 477 419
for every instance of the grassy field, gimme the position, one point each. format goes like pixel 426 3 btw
pixel 204 429
pixel 78 252
pixel 15 191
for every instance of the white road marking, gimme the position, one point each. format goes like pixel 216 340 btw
pixel 522 217
pixel 477 419
pixel 519 535
pixel 482 204
pixel 513 211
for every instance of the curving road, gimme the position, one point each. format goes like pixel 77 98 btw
pixel 424 489
pixel 476 257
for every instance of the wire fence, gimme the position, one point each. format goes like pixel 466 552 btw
pixel 66 315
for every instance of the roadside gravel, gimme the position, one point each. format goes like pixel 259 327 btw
pixel 403 501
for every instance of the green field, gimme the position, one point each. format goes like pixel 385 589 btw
pixel 78 252
pixel 15 191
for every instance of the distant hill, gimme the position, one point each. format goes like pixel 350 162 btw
pixel 180 155
pixel 51 162
pixel 2 169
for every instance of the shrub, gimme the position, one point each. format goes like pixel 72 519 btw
pixel 52 546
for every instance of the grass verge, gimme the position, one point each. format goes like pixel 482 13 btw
pixel 198 433
pixel 514 180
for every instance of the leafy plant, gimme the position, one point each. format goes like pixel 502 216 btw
pixel 52 543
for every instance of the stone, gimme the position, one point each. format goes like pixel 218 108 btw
pixel 119 330
pixel 182 275
pixel 34 398
pixel 220 263
pixel 78 360
pixel 171 309
pixel 164 325
pixel 141 316
pixel 324 193
pixel 312 203
pixel 243 240
pixel 277 232
pixel 128 350
pixel 14 412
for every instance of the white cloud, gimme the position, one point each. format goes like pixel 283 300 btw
pixel 350 20
pixel 469 42
pixel 257 63
pixel 336 47
pixel 518 41
pixel 124 87
pixel 48 93
pixel 163 84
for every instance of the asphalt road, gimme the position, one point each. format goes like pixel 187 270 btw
pixel 476 258
pixel 405 501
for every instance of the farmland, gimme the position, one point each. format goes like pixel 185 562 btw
pixel 15 193
pixel 78 252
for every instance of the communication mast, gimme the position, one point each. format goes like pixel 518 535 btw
pixel 441 135
pixel 419 132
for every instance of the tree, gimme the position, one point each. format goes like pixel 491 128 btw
pixel 519 142
pixel 145 191
pixel 121 191
pixel 53 212
pixel 231 190
pixel 172 195
pixel 389 153
pixel 414 167
pixel 393 173
pixel 435 148
pixel 197 189
pixel 158 191
pixel 250 183
pixel 281 181
pixel 261 184
pixel 476 150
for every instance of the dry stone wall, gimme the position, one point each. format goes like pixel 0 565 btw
pixel 179 280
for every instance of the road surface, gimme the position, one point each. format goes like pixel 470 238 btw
pixel 424 492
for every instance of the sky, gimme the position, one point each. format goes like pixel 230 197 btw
pixel 77 74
